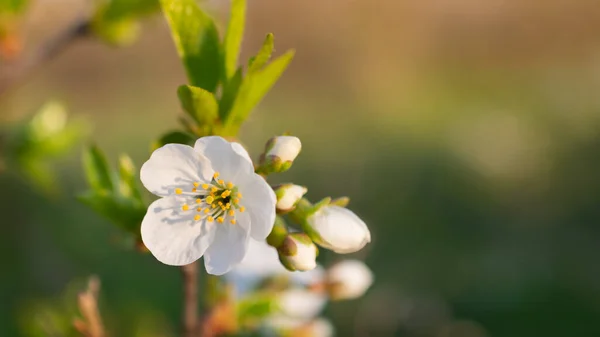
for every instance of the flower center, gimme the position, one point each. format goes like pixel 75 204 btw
pixel 214 201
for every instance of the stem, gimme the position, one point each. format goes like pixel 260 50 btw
pixel 190 299
pixel 14 73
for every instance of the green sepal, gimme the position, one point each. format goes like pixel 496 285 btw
pixel 278 233
pixel 341 201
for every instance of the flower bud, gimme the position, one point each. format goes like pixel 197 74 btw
pixel 280 153
pixel 319 327
pixel 338 229
pixel 288 196
pixel 298 252
pixel 348 279
pixel 301 303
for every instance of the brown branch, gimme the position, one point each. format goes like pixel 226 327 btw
pixel 190 299
pixel 91 324
pixel 15 72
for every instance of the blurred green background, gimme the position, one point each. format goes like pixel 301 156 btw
pixel 467 134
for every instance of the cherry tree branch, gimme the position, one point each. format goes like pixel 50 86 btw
pixel 190 299
pixel 15 72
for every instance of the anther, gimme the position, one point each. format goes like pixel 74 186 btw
pixel 242 209
pixel 198 201
pixel 232 221
pixel 185 207
pixel 239 195
pixel 216 175
pixel 199 209
pixel 205 186
pixel 231 212
pixel 197 217
pixel 210 219
pixel 210 199
pixel 230 185
pixel 178 191
pixel 220 219
pixel 206 210
pixel 196 184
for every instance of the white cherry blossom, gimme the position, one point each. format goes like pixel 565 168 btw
pixel 212 204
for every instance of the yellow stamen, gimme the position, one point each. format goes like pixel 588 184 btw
pixel 197 217
pixel 242 209
pixel 220 219
pixel 194 189
pixel 225 194
pixel 196 184
pixel 210 199
pixel 185 207
pixel 210 219
pixel 232 221
pixel 216 175
pixel 198 201
pixel 199 209
pixel 206 210
pixel 214 189
pixel 178 191
pixel 230 185
pixel 236 200
pixel 228 205
pixel 239 195
pixel 221 181
pixel 214 205
pixel 231 213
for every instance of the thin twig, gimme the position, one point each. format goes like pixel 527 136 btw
pixel 91 324
pixel 190 299
pixel 14 73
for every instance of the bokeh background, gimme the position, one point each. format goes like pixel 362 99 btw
pixel 466 132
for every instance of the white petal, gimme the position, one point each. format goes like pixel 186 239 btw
pixel 226 158
pixel 172 235
pixel 286 148
pixel 259 199
pixel 174 165
pixel 341 230
pixel 229 246
pixel 350 279
pixel 300 303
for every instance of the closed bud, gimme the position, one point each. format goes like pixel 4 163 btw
pixel 288 196
pixel 280 153
pixel 338 229
pixel 298 252
pixel 348 279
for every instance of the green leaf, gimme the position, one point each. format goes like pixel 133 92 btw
pixel 174 137
pixel 96 169
pixel 230 90
pixel 197 42
pixel 254 87
pixel 128 186
pixel 119 9
pixel 263 56
pixel 256 307
pixel 127 213
pixel 233 37
pixel 200 104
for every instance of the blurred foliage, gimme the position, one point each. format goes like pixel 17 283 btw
pixel 117 21
pixel 30 148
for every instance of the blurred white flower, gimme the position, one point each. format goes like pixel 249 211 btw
pixel 298 252
pixel 348 279
pixel 262 261
pixel 338 229
pixel 301 304
pixel 288 195
pixel 212 204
